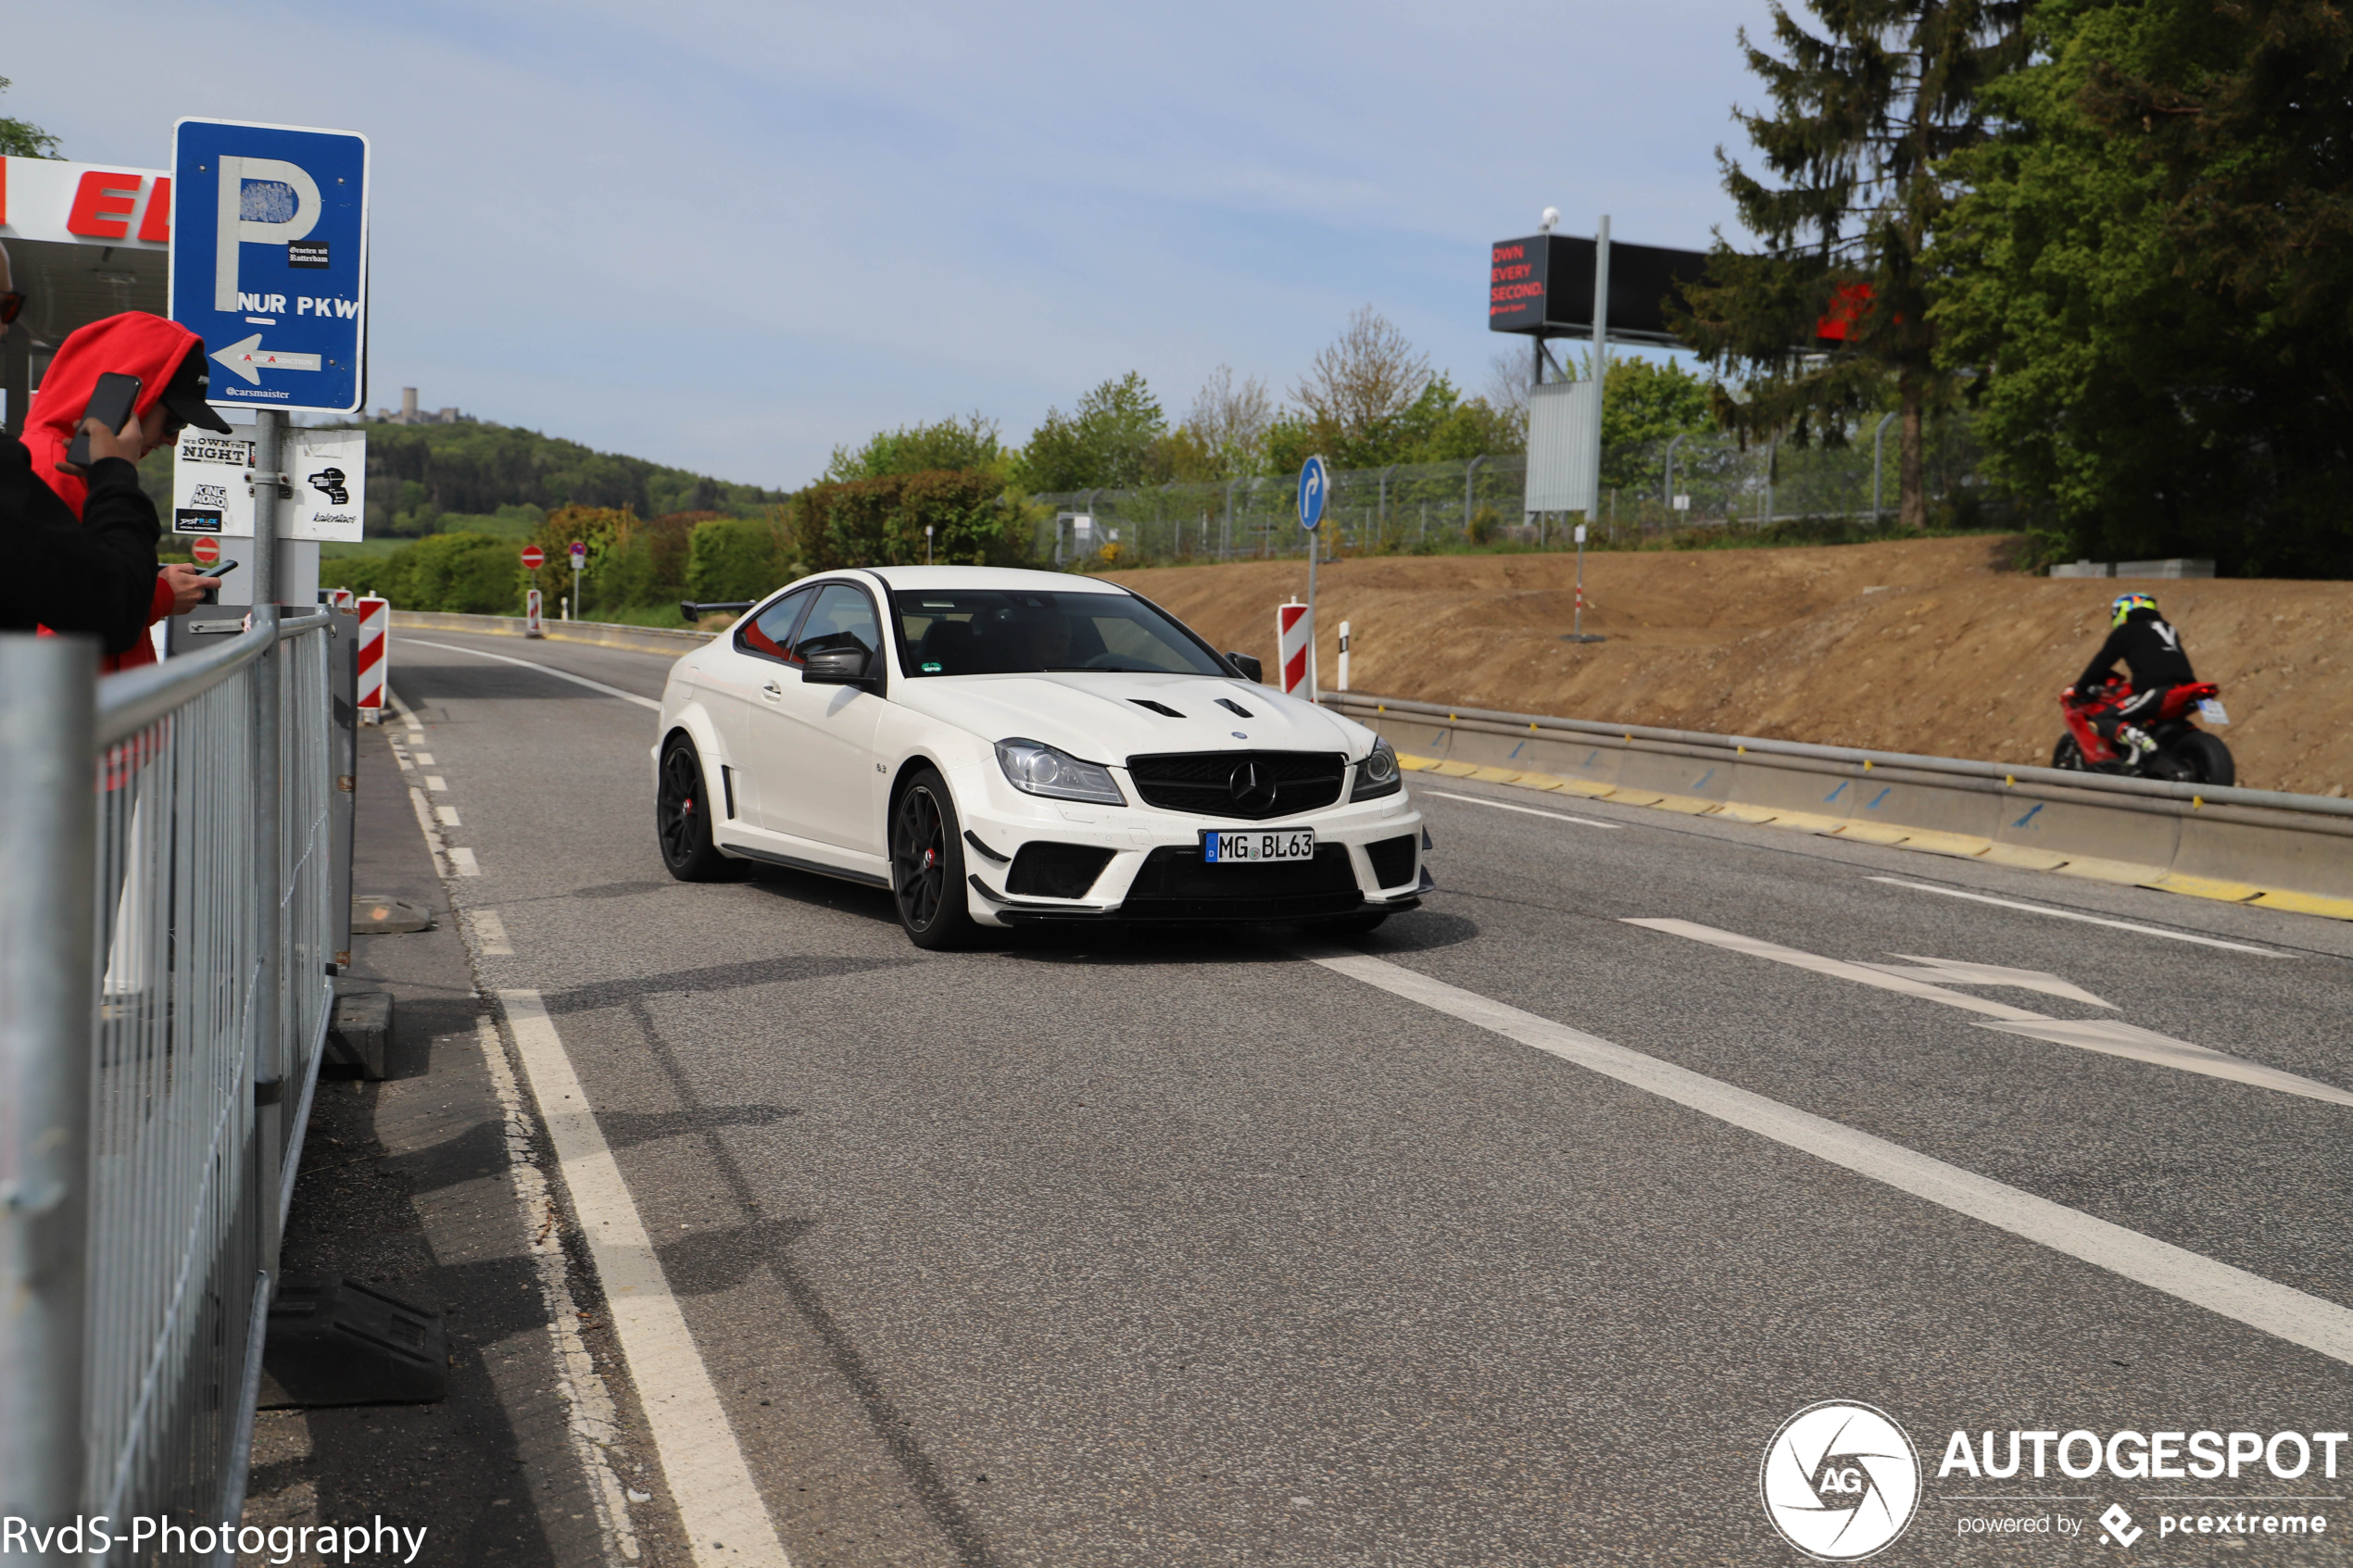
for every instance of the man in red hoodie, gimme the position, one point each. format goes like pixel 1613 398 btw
pixel 169 361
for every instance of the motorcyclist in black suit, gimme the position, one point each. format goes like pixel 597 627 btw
pixel 2151 648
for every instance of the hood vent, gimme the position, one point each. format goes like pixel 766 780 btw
pixel 1160 708
pixel 1230 706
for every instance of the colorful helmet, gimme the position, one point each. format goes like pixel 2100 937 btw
pixel 2127 603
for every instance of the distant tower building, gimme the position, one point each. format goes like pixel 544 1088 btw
pixel 408 405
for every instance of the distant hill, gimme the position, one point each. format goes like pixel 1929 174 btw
pixel 417 473
pixel 501 480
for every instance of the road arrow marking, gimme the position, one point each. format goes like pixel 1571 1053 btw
pixel 2107 1036
pixel 248 358
pixel 1951 971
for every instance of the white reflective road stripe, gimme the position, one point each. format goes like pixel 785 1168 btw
pixel 1862 974
pixel 543 669
pixel 2088 920
pixel 1507 805
pixel 727 1525
pixel 2109 1037
pixel 2188 1276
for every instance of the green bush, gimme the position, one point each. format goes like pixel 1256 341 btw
pixel 733 557
pixel 880 521
pixel 473 573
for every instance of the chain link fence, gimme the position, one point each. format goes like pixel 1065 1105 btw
pixel 1410 509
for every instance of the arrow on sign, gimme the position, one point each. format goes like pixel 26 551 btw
pixel 248 358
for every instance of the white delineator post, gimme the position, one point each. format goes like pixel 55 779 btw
pixel 375 657
pixel 1294 640
pixel 1344 656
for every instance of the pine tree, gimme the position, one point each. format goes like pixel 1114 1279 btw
pixel 1863 113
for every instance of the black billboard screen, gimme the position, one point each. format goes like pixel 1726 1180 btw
pixel 1544 284
pixel 1515 286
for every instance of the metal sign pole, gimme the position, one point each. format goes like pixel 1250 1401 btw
pixel 1601 357
pixel 269 452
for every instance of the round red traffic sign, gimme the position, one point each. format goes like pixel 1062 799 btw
pixel 533 557
pixel 206 550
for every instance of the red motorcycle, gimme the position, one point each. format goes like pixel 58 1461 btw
pixel 2184 753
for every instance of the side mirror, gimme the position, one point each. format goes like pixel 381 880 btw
pixel 835 667
pixel 1250 668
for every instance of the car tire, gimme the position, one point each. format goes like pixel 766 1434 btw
pixel 927 865
pixel 682 816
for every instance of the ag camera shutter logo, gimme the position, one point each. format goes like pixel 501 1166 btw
pixel 1841 1481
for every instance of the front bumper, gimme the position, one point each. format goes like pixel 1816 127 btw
pixel 1152 870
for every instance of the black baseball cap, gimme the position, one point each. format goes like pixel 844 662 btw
pixel 184 393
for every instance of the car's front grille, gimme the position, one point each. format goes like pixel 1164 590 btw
pixel 1175 883
pixel 1246 785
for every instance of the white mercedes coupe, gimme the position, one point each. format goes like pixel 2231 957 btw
pixel 999 747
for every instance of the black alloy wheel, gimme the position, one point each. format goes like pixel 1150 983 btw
pixel 682 816
pixel 927 865
pixel 2068 755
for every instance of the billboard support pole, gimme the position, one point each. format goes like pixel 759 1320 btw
pixel 1601 357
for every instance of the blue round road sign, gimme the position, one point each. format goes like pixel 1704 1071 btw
pixel 1315 489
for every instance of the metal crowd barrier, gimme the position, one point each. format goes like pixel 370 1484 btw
pixel 169 844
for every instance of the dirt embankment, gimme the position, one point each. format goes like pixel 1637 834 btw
pixel 1930 645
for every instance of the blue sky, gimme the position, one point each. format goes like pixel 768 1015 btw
pixel 732 237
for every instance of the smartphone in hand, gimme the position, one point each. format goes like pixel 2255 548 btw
pixel 110 404
pixel 218 568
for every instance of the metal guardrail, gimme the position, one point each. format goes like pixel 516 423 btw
pixel 2192 838
pixel 168 943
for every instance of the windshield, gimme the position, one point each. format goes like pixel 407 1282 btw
pixel 989 633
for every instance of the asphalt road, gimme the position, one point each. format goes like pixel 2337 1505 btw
pixel 1110 1248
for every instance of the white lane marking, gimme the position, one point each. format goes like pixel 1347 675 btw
pixel 424 757
pixel 1952 972
pixel 1861 973
pixel 2114 1037
pixel 544 670
pixel 2107 1036
pixel 718 1503
pixel 433 833
pixel 407 714
pixel 2088 920
pixel 1507 805
pixel 490 934
pixel 462 862
pixel 2189 1276
pixel 448 815
pixel 589 1414
pixel 435 782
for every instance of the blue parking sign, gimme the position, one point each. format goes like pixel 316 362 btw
pixel 269 261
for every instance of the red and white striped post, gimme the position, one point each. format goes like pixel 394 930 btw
pixel 375 657
pixel 532 626
pixel 1295 648
pixel 341 599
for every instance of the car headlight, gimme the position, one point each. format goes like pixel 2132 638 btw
pixel 1378 773
pixel 1036 769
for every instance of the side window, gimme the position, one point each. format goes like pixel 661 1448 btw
pixel 842 618
pixel 769 634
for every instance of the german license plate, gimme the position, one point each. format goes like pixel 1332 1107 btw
pixel 2212 710
pixel 1234 845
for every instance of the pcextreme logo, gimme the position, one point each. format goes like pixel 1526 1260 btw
pixel 1841 1481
